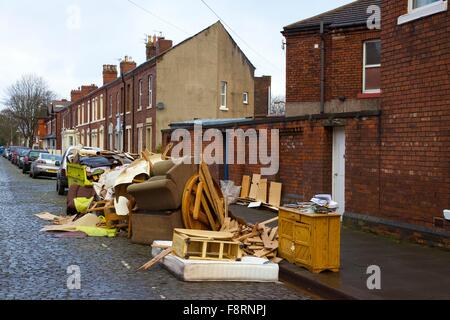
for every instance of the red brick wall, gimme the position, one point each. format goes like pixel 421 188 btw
pixel 302 68
pixel 343 61
pixel 415 154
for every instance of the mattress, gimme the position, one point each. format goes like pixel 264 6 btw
pixel 250 269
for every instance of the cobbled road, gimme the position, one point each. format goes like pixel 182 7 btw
pixel 33 265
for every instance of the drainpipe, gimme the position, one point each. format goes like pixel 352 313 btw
pixel 322 68
pixel 132 113
pixel 124 125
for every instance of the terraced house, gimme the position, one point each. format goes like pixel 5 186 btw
pixel 368 116
pixel 205 76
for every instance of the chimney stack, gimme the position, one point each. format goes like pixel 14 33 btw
pixel 109 73
pixel 81 92
pixel 126 65
pixel 75 95
pixel 156 46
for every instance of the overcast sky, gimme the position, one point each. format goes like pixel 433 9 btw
pixel 68 41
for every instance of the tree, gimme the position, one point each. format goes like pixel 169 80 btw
pixel 8 129
pixel 278 106
pixel 26 101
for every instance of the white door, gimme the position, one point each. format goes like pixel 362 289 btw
pixel 339 168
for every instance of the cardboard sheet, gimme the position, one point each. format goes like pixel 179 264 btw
pixel 89 220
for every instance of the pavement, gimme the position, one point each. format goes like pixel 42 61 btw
pixel 34 265
pixel 408 271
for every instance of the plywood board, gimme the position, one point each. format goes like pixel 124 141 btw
pixel 206 234
pixel 245 190
pixel 262 191
pixel 275 194
pixel 254 188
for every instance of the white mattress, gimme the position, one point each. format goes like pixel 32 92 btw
pixel 250 269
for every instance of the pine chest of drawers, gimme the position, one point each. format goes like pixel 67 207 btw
pixel 311 241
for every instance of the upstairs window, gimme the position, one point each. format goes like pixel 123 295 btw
pixel 110 112
pixel 418 9
pixel 140 96
pixel 223 95
pixel 150 91
pixel 245 98
pixel 416 4
pixel 372 67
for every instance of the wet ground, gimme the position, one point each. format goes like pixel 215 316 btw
pixel 34 265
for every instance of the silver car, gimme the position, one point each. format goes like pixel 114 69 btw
pixel 46 165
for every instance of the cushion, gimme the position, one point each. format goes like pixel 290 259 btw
pixel 161 168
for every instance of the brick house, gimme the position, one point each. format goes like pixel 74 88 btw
pixel 53 124
pixel 367 117
pixel 205 76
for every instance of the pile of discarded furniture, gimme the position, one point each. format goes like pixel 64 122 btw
pixel 183 213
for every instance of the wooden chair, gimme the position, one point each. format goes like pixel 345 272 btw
pixel 112 219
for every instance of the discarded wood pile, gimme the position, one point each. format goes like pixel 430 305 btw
pixel 203 208
pixel 255 190
pixel 257 240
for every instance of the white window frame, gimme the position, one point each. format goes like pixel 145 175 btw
pixel 83 114
pixel 101 108
pixel 368 67
pixel 118 98
pixel 88 111
pixel 424 11
pixel 110 106
pixel 245 98
pixel 223 96
pixel 140 96
pixel 150 92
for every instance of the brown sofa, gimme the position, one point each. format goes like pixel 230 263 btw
pixel 158 202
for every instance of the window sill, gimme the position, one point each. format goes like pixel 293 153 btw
pixel 150 107
pixel 423 12
pixel 224 109
pixel 369 95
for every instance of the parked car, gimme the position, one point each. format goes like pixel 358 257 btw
pixel 6 153
pixel 15 155
pixel 21 155
pixel 45 165
pixel 11 152
pixel 2 150
pixel 61 178
pixel 30 157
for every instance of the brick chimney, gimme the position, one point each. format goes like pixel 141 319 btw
pixel 109 73
pixel 262 95
pixel 85 90
pixel 156 46
pixel 81 92
pixel 75 95
pixel 126 65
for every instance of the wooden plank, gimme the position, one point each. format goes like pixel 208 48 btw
pixel 215 197
pixel 205 234
pixel 198 200
pixel 273 234
pixel 156 259
pixel 245 190
pixel 275 194
pixel 262 191
pixel 254 187
pixel 263 224
pixel 211 220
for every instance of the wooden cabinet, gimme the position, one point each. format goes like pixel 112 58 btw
pixel 310 240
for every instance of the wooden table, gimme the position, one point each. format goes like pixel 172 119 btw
pixel 311 241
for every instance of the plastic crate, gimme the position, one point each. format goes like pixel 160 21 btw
pixel 76 175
